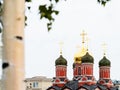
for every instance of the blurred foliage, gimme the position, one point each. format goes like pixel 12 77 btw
pixel 46 11
pixel 28 0
pixel 103 2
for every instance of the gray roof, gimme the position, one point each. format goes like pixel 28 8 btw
pixel 54 87
pixel 38 78
pixel 73 85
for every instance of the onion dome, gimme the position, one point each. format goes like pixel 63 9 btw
pixel 73 65
pixel 79 54
pixel 82 51
pixel 87 58
pixel 104 62
pixel 61 61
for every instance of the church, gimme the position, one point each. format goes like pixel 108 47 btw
pixel 83 78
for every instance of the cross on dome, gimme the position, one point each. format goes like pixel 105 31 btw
pixel 83 34
pixel 61 45
pixel 87 40
pixel 104 48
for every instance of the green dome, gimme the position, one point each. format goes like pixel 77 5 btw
pixel 73 65
pixel 61 61
pixel 87 58
pixel 104 62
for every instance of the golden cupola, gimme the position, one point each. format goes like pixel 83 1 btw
pixel 82 50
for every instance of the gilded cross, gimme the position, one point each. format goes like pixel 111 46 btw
pixel 61 45
pixel 104 48
pixel 83 36
pixel 87 41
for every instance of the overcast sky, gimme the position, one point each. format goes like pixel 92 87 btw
pixel 102 24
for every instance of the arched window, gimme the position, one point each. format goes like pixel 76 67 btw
pixel 52 89
pixel 66 89
pixel 79 70
pixel 82 88
pixel 97 88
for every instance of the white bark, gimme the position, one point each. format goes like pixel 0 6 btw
pixel 13 45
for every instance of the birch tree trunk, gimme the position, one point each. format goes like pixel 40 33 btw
pixel 13 45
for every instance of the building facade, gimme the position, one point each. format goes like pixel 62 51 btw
pixel 83 78
pixel 37 83
pixel 117 83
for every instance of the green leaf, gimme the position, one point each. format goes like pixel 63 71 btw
pixel 98 1
pixel 103 3
pixel 49 29
pixel 28 0
pixel 56 1
pixel 47 11
pixel 56 12
pixel 43 10
pixel 25 18
pixel 49 26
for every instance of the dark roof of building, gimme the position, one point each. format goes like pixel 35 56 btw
pixel 66 87
pixel 114 88
pixel 84 86
pixel 54 87
pixel 73 85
